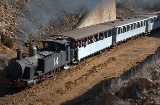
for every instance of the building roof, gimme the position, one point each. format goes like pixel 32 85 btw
pixel 86 31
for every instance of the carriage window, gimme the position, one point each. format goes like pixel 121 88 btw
pixel 89 40
pixel 158 18
pixel 155 19
pixel 93 39
pixel 145 23
pixel 84 42
pixel 138 25
pixel 105 34
pixel 96 37
pixel 51 46
pixel 135 25
pixel 45 45
pixel 124 29
pixel 78 43
pixel 109 33
pixel 101 37
pixel 131 26
pixel 151 20
pixel 128 28
pixel 119 30
pixel 141 23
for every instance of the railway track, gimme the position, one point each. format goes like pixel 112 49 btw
pixel 4 89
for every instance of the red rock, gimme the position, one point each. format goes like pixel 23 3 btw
pixel 156 72
pixel 111 96
pixel 123 92
pixel 145 83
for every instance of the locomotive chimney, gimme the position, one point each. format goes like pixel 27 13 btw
pixel 19 54
pixel 32 51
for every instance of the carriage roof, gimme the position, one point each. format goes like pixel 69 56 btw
pixel 57 40
pixel 86 31
pixel 148 15
pixel 154 13
pixel 122 22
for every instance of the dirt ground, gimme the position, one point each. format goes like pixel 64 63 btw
pixel 77 81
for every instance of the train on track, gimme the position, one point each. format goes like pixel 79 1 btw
pixel 73 46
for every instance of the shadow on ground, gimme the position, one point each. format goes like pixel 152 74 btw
pixel 97 89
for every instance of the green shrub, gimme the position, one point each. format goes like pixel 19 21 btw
pixel 156 6
pixel 9 42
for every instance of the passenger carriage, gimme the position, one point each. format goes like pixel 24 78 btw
pixel 153 20
pixel 89 40
pixel 127 28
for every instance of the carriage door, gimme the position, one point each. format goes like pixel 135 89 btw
pixel 148 25
pixel 114 35
pixel 67 49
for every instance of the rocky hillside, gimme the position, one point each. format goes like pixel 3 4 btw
pixel 14 12
pixel 129 8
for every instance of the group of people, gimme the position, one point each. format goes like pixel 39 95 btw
pixel 89 40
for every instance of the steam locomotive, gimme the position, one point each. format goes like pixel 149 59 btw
pixel 73 46
pixel 38 65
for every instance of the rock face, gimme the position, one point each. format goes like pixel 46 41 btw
pixel 156 72
pixel 105 11
pixel 131 91
pixel 111 97
pixel 107 98
pixel 123 92
pixel 145 83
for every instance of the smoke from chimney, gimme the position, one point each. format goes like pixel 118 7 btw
pixel 42 12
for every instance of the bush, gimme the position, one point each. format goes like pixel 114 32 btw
pixel 156 6
pixel 9 42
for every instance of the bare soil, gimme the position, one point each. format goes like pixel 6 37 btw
pixel 80 79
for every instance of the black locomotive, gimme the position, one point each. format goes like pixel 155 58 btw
pixel 38 65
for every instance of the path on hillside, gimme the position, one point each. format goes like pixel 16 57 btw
pixel 75 82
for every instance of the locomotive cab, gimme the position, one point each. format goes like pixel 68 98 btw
pixel 55 45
